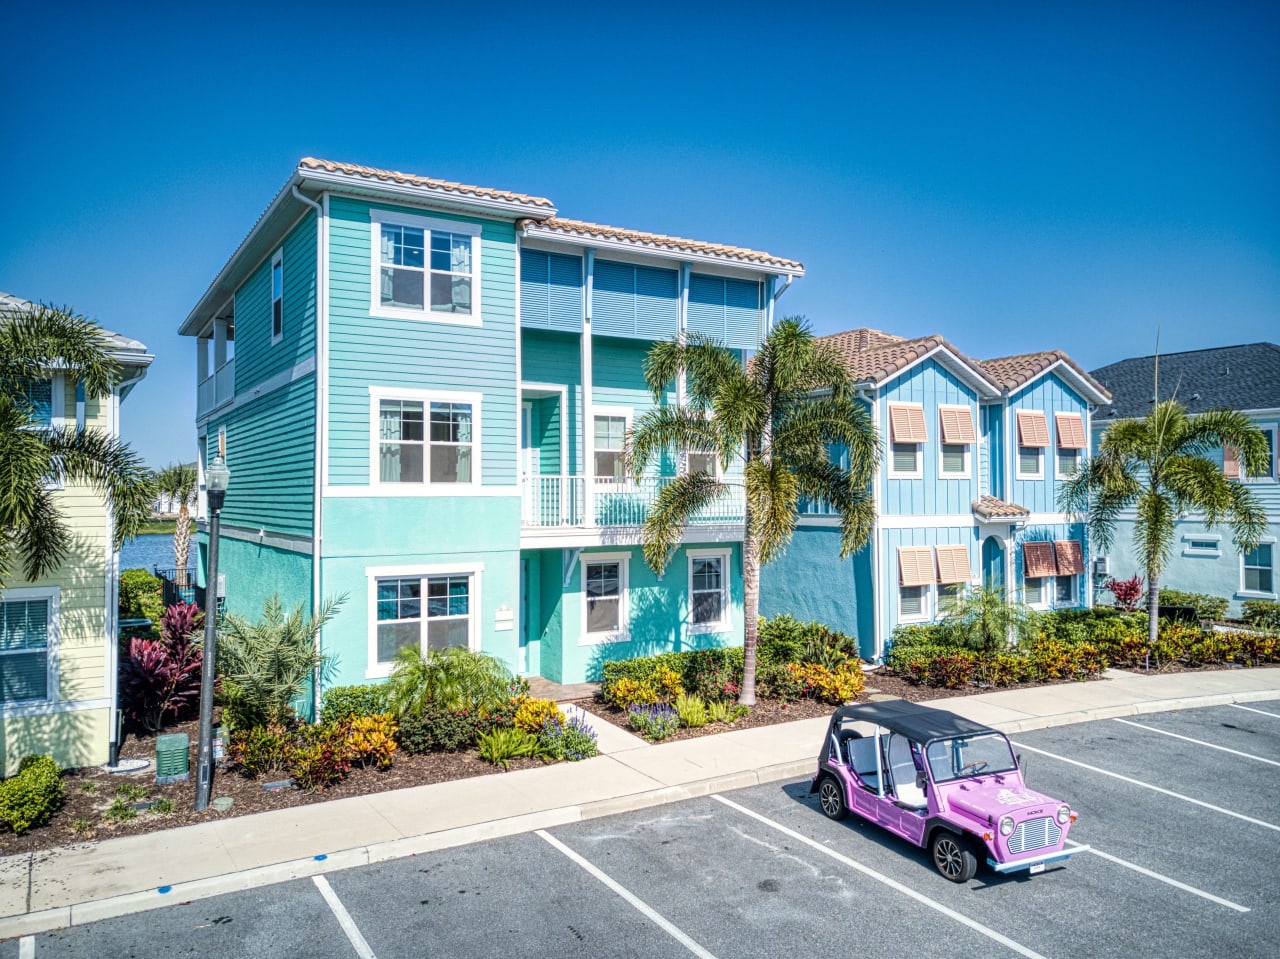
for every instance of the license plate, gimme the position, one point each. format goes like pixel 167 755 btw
pixel 1038 867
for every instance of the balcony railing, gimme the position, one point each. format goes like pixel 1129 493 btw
pixel 217 389
pixel 560 501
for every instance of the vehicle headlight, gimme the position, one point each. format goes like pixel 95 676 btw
pixel 1064 814
pixel 1006 825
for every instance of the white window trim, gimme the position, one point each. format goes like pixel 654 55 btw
pixel 623 633
pixel 1270 476
pixel 57 416
pixel 725 623
pixel 377 670
pixel 426 488
pixel 1257 593
pixel 918 472
pixel 54 595
pixel 1046 592
pixel 1074 601
pixel 1058 472
pixel 376 219
pixel 1017 463
pixel 276 260
pixel 1189 549
pixel 598 410
pixel 967 472
pixel 926 604
pixel 938 612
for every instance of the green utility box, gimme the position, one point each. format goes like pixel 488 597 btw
pixel 172 764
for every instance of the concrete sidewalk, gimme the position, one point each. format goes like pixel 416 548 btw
pixel 78 884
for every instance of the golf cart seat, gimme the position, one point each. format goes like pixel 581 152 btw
pixel 860 755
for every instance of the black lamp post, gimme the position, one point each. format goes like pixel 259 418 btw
pixel 216 478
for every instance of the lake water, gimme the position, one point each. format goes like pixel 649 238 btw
pixel 150 551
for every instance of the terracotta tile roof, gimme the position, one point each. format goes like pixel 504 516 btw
pixel 876 356
pixel 118 342
pixel 988 507
pixel 581 228
pixel 1012 372
pixel 410 179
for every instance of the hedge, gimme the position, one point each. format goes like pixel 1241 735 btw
pixel 33 796
pixel 343 702
pixel 1263 613
pixel 1206 606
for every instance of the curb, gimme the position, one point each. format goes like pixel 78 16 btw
pixel 76 914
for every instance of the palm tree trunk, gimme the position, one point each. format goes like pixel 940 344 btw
pixel 1153 606
pixel 750 611
pixel 181 545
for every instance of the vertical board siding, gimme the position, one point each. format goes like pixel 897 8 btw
pixel 550 290
pixel 1051 533
pixel 634 301
pixel 1049 395
pixel 257 359
pixel 420 354
pixel 892 539
pixel 271 455
pixel 993 452
pixel 729 310
pixel 928 384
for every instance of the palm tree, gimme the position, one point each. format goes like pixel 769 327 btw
pixel 35 459
pixel 1157 467
pixel 777 415
pixel 178 482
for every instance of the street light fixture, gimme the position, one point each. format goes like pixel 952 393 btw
pixel 216 479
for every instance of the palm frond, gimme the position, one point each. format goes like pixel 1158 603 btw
pixel 112 467
pixel 40 339
pixel 666 428
pixel 671 511
pixel 773 498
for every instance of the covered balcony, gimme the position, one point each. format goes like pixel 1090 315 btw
pixel 563 501
pixel 216 364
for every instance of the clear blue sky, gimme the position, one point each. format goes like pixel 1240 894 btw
pixel 1013 176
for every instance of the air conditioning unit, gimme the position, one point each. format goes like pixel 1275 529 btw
pixel 1101 566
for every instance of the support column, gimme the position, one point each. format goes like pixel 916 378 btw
pixel 219 344
pixel 682 330
pixel 588 407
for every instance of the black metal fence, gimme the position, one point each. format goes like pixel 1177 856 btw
pixel 179 586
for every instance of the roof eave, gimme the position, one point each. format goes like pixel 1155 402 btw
pixel 1085 383
pixel 438 197
pixel 986 389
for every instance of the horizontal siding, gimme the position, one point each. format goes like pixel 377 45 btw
pixel 422 354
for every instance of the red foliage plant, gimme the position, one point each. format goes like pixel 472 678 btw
pixel 1126 591
pixel 161 677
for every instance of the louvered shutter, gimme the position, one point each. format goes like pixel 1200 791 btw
pixel 915 565
pixel 1038 560
pixel 953 565
pixel 1070 557
pixel 1033 429
pixel 906 423
pixel 957 426
pixel 1070 428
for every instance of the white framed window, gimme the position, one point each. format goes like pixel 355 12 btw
pixel 1208 545
pixel 277 297
pixel 1034 593
pixel 1064 591
pixel 424 439
pixel 426 608
pixel 425 268
pixel 949 595
pixel 609 443
pixel 1257 571
pixel 1039 567
pixel 956 439
pixel 913 604
pixel 709 591
pixel 1269 474
pixel 40 395
pixel 916 575
pixel 29 620
pixel 1033 438
pixel 907 436
pixel 604 598
pixel 1071 444
pixel 702 463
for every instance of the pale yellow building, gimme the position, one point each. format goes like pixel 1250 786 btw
pixel 58 653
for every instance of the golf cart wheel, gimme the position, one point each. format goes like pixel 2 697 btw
pixel 831 799
pixel 952 857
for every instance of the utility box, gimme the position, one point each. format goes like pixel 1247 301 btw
pixel 172 763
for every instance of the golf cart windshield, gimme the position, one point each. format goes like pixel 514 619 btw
pixel 962 757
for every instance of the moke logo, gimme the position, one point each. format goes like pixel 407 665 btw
pixel 1007 797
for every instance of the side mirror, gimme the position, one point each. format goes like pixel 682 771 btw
pixel 922 781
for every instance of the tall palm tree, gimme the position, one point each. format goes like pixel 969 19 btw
pixel 777 415
pixel 178 481
pixel 1157 467
pixel 35 458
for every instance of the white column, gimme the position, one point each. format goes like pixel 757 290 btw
pixel 219 344
pixel 588 408
pixel 682 313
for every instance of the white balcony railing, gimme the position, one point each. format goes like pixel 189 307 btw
pixel 558 501
pixel 217 389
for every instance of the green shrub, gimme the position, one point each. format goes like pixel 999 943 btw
pixel 141 597
pixel 719 711
pixel 533 714
pixel 710 673
pixel 319 758
pixel 779 640
pixel 1262 613
pixel 779 681
pixel 32 796
pixel 503 745
pixel 1206 606
pixel 918 634
pixel 119 811
pixel 1259 648
pixel 343 702
pixel 262 750
pixel 692 710
pixel 454 678
pixel 570 740
pixel 439 730
pixel 654 722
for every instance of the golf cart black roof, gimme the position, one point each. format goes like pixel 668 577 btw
pixel 919 723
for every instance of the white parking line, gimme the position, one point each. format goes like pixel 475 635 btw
pixel 880 877
pixel 1162 878
pixel 344 918
pixel 1159 789
pixel 27 947
pixel 1198 742
pixel 1260 712
pixel 640 905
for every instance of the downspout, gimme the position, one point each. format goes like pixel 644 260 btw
pixel 877 607
pixel 322 418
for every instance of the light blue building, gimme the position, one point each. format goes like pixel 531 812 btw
pixel 973 454
pixel 421 389
pixel 1244 378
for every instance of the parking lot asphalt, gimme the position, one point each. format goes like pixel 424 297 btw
pixel 1179 808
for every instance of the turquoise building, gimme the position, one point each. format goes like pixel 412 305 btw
pixel 973 452
pixel 421 389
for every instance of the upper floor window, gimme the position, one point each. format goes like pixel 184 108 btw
pixel 38 395
pixel 425 268
pixel 1269 473
pixel 907 435
pixel 610 442
pixel 1258 570
pixel 1033 438
pixel 425 440
pixel 700 463
pixel 957 439
pixel 1071 443
pixel 277 297
pixel 28 622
